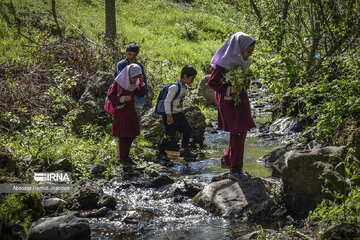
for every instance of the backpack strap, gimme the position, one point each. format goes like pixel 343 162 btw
pixel 177 93
pixel 179 89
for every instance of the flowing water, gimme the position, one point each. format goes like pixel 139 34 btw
pixel 147 213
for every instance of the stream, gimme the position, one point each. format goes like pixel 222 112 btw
pixel 158 213
pixel 148 213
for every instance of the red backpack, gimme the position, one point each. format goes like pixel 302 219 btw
pixel 109 107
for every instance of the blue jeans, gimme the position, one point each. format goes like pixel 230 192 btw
pixel 139 107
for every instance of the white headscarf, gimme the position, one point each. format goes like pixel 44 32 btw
pixel 128 72
pixel 229 56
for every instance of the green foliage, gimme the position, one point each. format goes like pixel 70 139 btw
pixel 46 141
pixel 14 211
pixel 209 113
pixel 59 96
pixel 312 57
pixel 260 232
pixel 345 206
pixel 239 79
pixel 334 96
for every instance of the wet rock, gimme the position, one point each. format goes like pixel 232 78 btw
pixel 273 155
pixel 107 201
pixel 52 205
pixel 260 234
pixel 99 170
pixel 122 186
pixel 132 218
pixel 309 134
pixel 152 169
pixel 12 232
pixel 192 188
pixel 315 144
pixel 204 94
pixel 160 181
pixel 178 199
pixel 187 188
pixel 97 213
pixel 87 193
pixel 60 228
pixel 231 199
pixel 301 172
pixel 60 165
pixel 220 177
pixel 342 231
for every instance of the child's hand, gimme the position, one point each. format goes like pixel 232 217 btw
pixel 234 90
pixel 141 78
pixel 127 98
pixel 169 119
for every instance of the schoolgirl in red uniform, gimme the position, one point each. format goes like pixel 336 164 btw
pixel 237 120
pixel 126 122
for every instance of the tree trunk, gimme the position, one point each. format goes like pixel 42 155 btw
pixel 110 23
pixel 53 9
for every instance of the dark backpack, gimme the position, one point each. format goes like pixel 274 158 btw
pixel 160 106
pixel 109 107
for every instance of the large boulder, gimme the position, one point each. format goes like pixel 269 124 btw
pixel 87 193
pixel 302 173
pixel 348 134
pixel 66 227
pixel 93 99
pixel 12 232
pixel 205 94
pixel 153 127
pixel 231 199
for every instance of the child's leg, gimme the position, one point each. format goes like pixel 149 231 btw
pixel 124 147
pixel 236 151
pixel 170 131
pixel 183 126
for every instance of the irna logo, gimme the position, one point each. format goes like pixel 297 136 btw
pixel 52 177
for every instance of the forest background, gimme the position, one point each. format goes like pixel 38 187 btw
pixel 307 55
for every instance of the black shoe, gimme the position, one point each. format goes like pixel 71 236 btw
pixel 224 165
pixel 163 156
pixel 127 161
pixel 187 154
pixel 238 176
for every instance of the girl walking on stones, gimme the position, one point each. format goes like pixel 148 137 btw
pixel 126 122
pixel 233 118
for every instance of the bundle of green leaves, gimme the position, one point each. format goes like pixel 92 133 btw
pixel 238 78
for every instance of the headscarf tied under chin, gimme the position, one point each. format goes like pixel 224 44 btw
pixel 128 72
pixel 229 56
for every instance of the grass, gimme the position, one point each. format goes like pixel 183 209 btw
pixel 167 31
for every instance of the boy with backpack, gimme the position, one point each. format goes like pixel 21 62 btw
pixel 170 106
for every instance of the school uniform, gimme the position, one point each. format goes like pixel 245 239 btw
pixel 139 101
pixel 234 119
pixel 126 122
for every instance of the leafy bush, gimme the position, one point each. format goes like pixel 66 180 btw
pixel 14 211
pixel 47 141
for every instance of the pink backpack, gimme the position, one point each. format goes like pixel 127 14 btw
pixel 109 107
